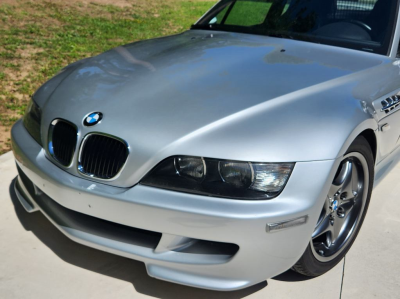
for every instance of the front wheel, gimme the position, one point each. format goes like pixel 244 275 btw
pixel 343 213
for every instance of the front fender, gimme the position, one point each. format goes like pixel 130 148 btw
pixel 368 124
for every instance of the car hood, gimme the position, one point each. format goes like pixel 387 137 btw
pixel 159 94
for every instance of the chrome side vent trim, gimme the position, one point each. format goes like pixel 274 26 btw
pixel 390 104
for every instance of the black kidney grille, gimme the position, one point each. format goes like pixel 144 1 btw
pixel 102 156
pixel 63 142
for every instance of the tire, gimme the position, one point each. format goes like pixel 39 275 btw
pixel 319 258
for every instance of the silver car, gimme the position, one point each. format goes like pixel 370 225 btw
pixel 229 153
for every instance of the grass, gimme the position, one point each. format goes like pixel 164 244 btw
pixel 38 38
pixel 248 13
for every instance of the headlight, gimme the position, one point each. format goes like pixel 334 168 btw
pixel 32 121
pixel 222 178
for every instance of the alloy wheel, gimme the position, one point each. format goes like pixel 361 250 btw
pixel 343 208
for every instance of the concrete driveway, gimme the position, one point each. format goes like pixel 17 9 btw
pixel 37 261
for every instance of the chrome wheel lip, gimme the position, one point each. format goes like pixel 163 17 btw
pixel 362 162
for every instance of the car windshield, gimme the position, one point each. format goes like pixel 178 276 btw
pixel 357 24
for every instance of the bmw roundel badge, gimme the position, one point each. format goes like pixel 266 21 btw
pixel 335 205
pixel 93 119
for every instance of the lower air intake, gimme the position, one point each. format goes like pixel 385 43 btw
pixel 102 156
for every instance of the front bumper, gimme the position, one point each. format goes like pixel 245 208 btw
pixel 177 216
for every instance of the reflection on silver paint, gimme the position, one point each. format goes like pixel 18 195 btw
pixel 368 109
pixel 191 216
pixel 131 59
pixel 193 94
pixel 221 87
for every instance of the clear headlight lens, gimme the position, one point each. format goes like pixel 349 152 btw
pixel 32 121
pixel 222 178
pixel 238 174
pixel 271 177
pixel 190 167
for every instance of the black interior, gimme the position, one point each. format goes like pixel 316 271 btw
pixel 359 24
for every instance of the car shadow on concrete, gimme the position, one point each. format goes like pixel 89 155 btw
pixel 119 267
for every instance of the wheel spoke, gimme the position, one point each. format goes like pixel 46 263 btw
pixel 347 206
pixel 343 173
pixel 349 218
pixel 336 228
pixel 341 219
pixel 323 227
pixel 350 185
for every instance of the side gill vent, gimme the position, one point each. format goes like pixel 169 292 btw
pixel 390 104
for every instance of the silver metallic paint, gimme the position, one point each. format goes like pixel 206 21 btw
pixel 203 92
pixel 187 215
pixel 217 95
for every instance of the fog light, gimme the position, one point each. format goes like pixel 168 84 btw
pixel 273 227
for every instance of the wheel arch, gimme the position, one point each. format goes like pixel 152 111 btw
pixel 370 136
pixel 367 129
